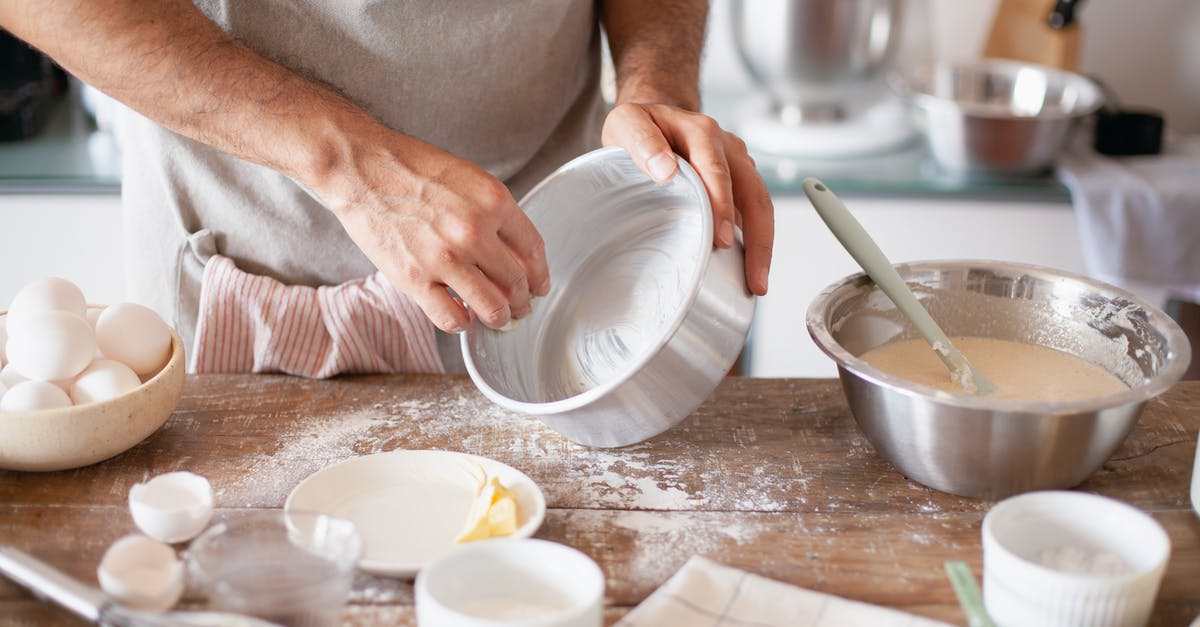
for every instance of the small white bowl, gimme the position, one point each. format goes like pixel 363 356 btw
pixel 1018 532
pixel 81 435
pixel 494 583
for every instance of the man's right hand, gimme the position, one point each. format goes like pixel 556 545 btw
pixel 431 221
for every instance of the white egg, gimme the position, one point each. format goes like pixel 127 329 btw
pixel 3 389
pixel 173 507
pixel 48 294
pixel 135 336
pixel 51 345
pixel 34 395
pixel 103 379
pixel 141 573
pixel 10 377
pixel 93 314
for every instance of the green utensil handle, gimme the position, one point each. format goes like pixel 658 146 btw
pixel 866 252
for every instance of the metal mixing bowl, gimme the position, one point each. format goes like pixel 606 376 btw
pixel 815 56
pixel 644 317
pixel 984 447
pixel 997 117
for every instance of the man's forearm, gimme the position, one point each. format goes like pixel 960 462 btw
pixel 656 47
pixel 166 60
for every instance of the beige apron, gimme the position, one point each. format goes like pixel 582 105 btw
pixel 512 86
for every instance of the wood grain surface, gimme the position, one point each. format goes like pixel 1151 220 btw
pixel 770 475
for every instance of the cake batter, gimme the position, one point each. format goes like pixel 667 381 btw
pixel 1018 371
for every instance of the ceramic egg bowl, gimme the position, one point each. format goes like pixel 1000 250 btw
pixel 71 437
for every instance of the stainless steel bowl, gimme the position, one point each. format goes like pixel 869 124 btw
pixel 979 446
pixel 644 317
pixel 814 54
pixel 995 116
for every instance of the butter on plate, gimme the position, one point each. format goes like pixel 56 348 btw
pixel 492 514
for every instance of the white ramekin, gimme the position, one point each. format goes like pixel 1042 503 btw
pixel 507 582
pixel 1019 591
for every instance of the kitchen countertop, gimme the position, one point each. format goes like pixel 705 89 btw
pixel 71 156
pixel 770 475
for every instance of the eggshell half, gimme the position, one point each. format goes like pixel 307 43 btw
pixel 3 340
pixel 141 573
pixel 34 395
pixel 174 507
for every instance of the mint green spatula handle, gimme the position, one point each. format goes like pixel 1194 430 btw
pixel 866 252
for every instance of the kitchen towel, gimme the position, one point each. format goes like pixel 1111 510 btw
pixel 1139 217
pixel 705 593
pixel 253 323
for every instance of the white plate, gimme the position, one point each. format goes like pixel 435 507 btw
pixel 409 505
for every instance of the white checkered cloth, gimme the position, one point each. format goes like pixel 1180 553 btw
pixel 705 593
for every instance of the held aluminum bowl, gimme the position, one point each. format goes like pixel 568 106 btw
pixel 644 316
pixel 979 446
pixel 997 117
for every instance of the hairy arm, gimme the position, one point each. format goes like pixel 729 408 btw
pixel 166 60
pixel 656 47
pixel 427 219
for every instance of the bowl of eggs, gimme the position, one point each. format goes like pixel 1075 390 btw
pixel 81 383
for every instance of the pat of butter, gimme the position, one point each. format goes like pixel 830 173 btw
pixel 493 514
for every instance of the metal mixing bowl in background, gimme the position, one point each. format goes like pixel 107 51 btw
pixel 990 448
pixel 644 317
pixel 995 116
pixel 815 55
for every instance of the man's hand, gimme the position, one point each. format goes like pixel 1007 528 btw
pixel 656 53
pixel 431 221
pixel 428 220
pixel 654 133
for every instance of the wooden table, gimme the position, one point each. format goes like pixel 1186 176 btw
pixel 771 476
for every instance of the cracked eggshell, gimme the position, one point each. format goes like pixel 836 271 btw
pixel 141 573
pixel 173 507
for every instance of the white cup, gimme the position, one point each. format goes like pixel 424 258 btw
pixel 504 582
pixel 1020 531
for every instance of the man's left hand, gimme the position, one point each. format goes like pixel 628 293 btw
pixel 654 133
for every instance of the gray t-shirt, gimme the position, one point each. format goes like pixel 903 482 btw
pixel 512 86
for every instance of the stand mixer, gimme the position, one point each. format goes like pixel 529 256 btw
pixel 821 67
